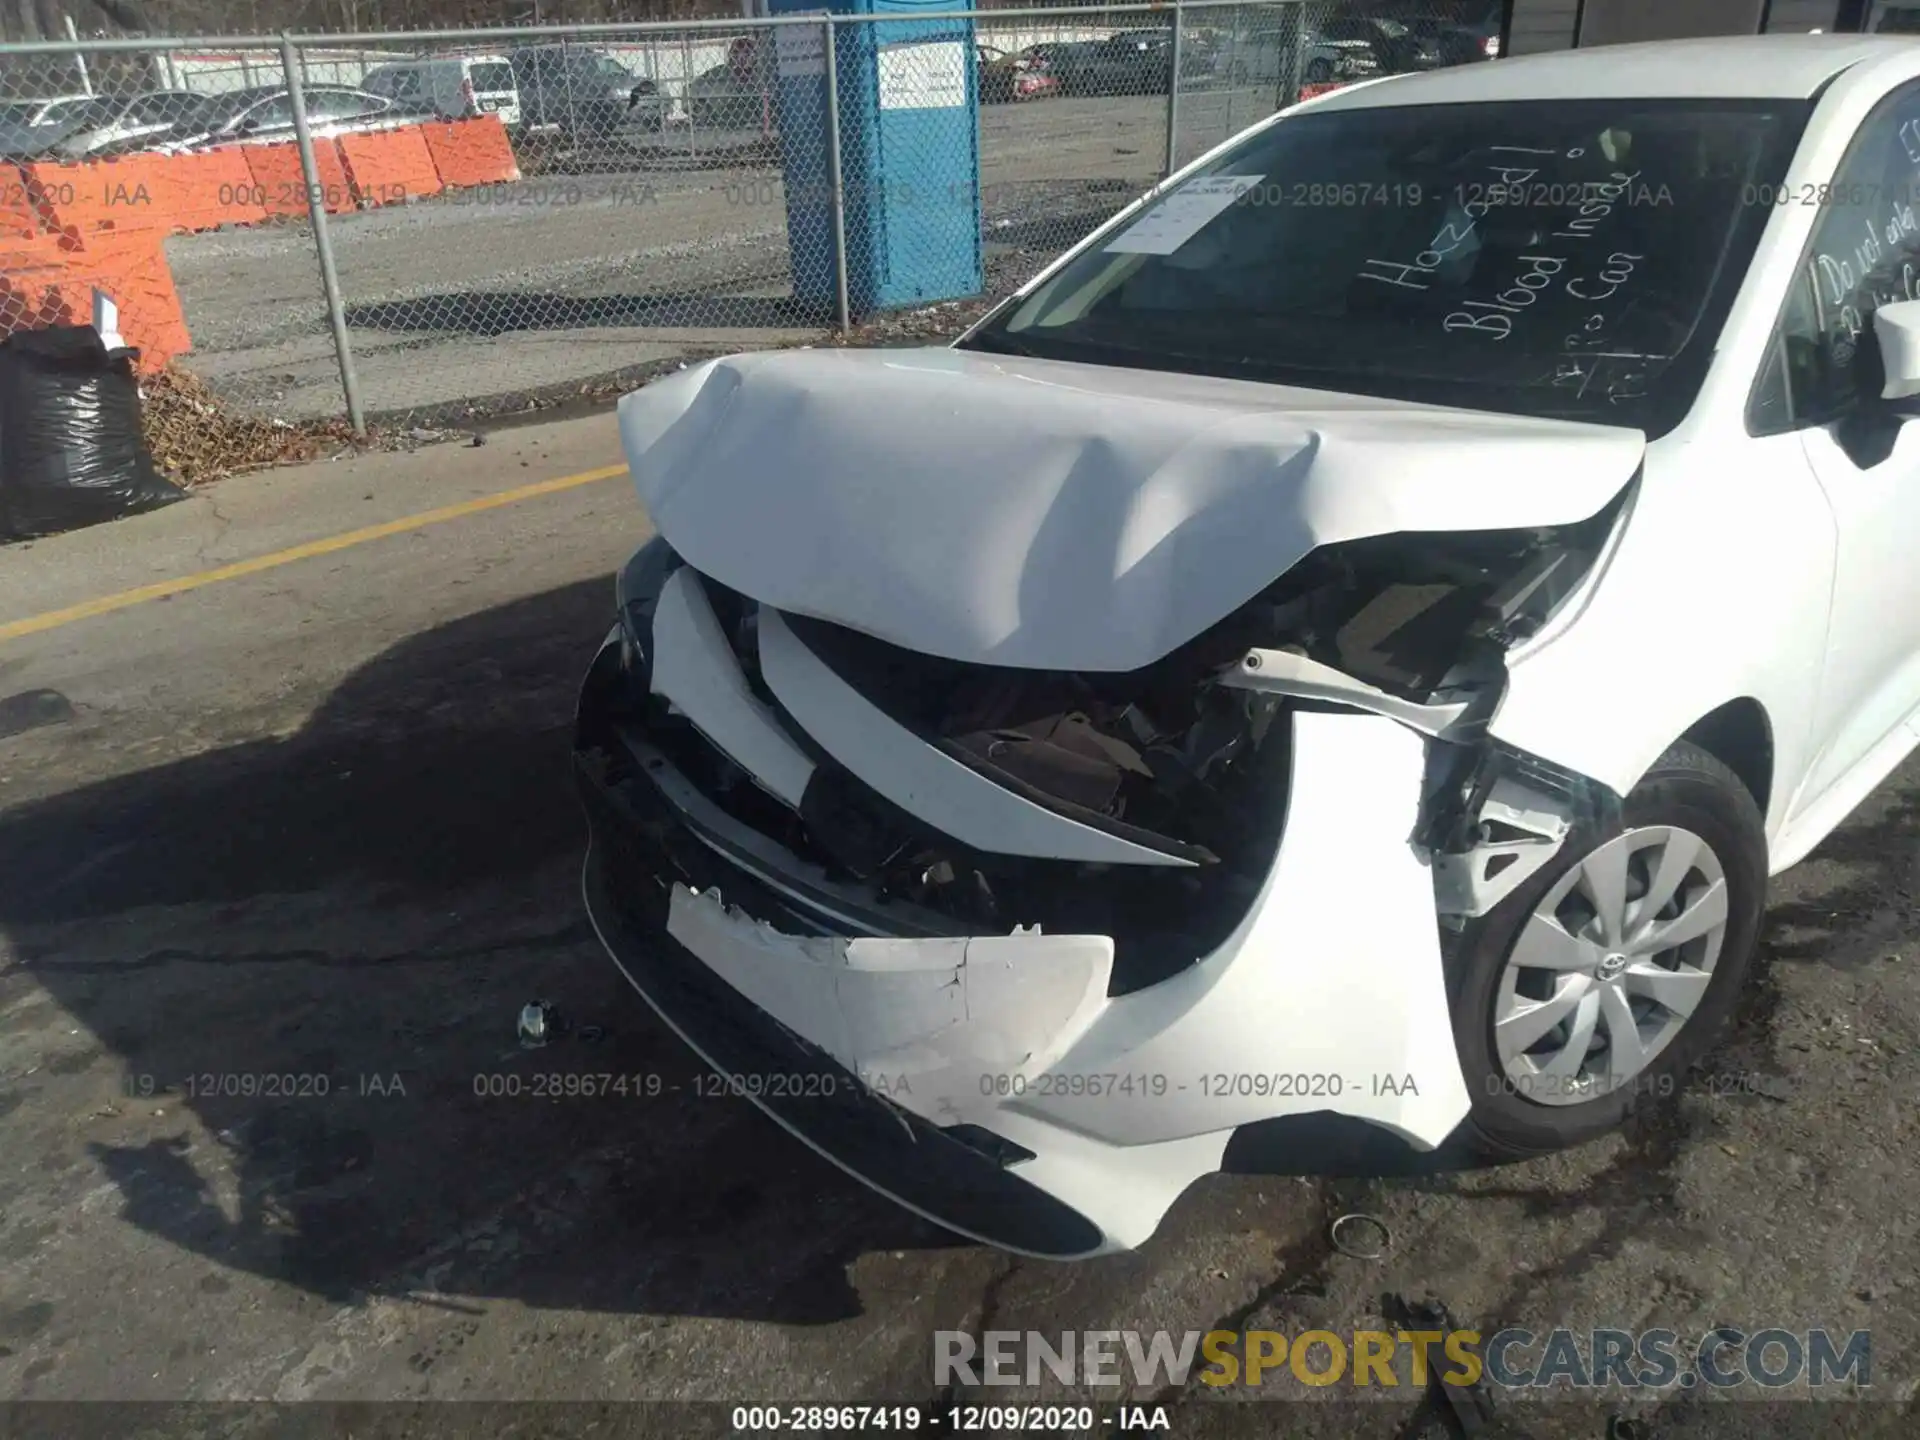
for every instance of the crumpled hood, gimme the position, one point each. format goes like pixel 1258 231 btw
pixel 1060 516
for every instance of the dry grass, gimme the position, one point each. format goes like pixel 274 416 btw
pixel 195 438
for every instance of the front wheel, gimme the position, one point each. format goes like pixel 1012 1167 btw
pixel 1594 986
pixel 1319 71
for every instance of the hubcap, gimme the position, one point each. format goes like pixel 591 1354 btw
pixel 1610 965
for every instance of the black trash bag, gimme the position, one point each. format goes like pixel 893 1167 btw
pixel 71 448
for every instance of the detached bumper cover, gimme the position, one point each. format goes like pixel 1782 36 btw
pixel 991 1082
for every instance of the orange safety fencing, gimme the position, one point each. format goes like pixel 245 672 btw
pixel 389 167
pixel 69 228
pixel 50 280
pixel 212 188
pixel 245 184
pixel 117 194
pixel 19 218
pixel 471 152
pixel 280 186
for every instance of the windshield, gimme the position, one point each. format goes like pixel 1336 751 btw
pixel 61 112
pixel 1565 258
pixel 216 111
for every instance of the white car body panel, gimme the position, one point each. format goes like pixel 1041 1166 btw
pixel 921 780
pixel 939 1024
pixel 1033 514
pixel 694 668
pixel 1106 516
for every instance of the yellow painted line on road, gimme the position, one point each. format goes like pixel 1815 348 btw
pixel 161 589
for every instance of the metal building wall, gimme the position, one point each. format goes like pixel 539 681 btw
pixel 1537 25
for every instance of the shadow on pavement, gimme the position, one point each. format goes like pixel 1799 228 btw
pixel 368 903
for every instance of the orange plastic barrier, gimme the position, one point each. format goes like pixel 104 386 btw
pixel 19 219
pixel 1307 92
pixel 50 280
pixel 389 166
pixel 211 188
pixel 280 186
pixel 118 194
pixel 471 152
pixel 130 266
pixel 36 286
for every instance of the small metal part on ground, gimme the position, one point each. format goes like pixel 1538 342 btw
pixel 1364 1237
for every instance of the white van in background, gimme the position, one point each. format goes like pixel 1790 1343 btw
pixel 451 85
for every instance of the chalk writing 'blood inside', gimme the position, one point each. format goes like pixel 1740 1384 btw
pixel 1494 317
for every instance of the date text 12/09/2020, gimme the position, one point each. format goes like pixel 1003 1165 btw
pixel 1275 1085
pixel 953 1419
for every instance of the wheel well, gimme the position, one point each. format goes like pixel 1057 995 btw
pixel 1739 736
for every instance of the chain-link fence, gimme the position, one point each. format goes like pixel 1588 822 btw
pixel 437 225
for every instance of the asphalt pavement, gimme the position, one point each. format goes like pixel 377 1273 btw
pixel 287 839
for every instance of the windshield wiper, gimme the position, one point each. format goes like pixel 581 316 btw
pixel 1001 343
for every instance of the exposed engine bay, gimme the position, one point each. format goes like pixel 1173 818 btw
pixel 1188 757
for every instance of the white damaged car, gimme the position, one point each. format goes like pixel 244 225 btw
pixel 1351 639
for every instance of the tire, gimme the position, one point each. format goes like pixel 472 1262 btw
pixel 1687 796
pixel 1319 71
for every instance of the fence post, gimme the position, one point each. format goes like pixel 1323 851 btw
pixel 1173 98
pixel 79 56
pixel 291 67
pixel 834 181
pixel 1296 56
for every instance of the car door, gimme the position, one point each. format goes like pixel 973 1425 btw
pixel 1865 251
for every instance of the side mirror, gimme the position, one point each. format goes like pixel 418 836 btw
pixel 1896 326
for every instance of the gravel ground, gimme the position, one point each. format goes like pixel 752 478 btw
pixel 476 302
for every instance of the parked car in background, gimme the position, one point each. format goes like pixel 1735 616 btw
pixel 1467 30
pixel 20 141
pixel 1344 47
pixel 264 113
pixel 737 93
pixel 1134 62
pixel 1429 34
pixel 115 123
pixel 1069 61
pixel 1003 78
pixel 581 92
pixel 49 111
pixel 993 70
pixel 452 85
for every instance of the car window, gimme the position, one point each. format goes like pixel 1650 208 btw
pixel 61 111
pixel 492 76
pixel 331 105
pixel 277 111
pixel 1899 20
pixel 103 111
pixel 156 109
pixel 1557 258
pixel 1865 251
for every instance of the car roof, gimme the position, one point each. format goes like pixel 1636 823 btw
pixel 1733 67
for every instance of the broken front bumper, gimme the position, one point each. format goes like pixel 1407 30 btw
pixel 991 1082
